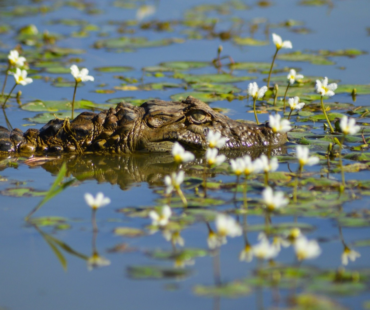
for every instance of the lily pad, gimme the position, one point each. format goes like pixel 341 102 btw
pixel 300 56
pixel 57 105
pixel 156 272
pixel 114 69
pixel 205 97
pixel 129 232
pixel 230 290
pixel 185 65
pixel 22 192
pixel 133 43
pixel 211 78
pixel 249 41
pixel 186 254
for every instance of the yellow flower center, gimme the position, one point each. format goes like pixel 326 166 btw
pixel 212 144
pixel 178 158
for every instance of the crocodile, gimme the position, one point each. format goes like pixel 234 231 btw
pixel 152 127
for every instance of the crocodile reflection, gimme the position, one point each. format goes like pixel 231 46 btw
pixel 124 170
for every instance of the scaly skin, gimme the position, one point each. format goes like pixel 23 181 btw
pixel 152 127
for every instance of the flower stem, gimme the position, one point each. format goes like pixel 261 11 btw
pixel 73 100
pixel 93 219
pixel 254 110
pixel 295 188
pixel 326 116
pixel 8 96
pixel 236 186
pixel 245 201
pixel 205 180
pixel 286 91
pixel 182 196
pixel 272 64
pixel 10 128
pixel 290 113
pixel 341 163
pixel 266 178
pixel 6 77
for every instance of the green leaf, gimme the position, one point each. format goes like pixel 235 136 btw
pixel 299 56
pixel 22 192
pixel 211 78
pixel 228 290
pixel 185 65
pixel 155 272
pixel 114 69
pixel 249 41
pixel 129 232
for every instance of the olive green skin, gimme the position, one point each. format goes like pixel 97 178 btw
pixel 152 127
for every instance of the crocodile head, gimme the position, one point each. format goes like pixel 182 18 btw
pixel 152 127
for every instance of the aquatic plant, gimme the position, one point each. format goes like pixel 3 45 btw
pixel 324 89
pixel 256 93
pixel 79 76
pixel 20 77
pixel 14 60
pixel 279 44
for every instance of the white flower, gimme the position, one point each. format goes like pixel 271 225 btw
pixel 20 77
pixel 349 254
pixel 279 43
pixel 214 241
pixel 96 260
pixel 255 92
pixel 251 166
pixel 293 76
pixel 246 254
pixel 295 104
pixel 98 202
pixel 161 218
pixel 268 165
pixel 81 76
pixel 306 249
pixel 227 226
pixel 214 159
pixel 174 181
pixel 273 201
pixel 265 250
pixel 279 242
pixel 303 158
pixel 237 166
pixel 215 140
pixel 279 125
pixel 174 237
pixel 145 11
pixel 15 60
pixel 324 89
pixel 347 125
pixel 180 155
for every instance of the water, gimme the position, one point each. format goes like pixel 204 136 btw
pixel 32 276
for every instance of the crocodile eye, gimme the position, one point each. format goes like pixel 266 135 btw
pixel 198 116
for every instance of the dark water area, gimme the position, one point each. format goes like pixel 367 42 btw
pixel 44 265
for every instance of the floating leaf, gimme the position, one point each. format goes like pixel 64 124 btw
pixel 22 192
pixel 299 56
pixel 205 97
pixel 133 43
pixel 114 69
pixel 185 65
pixel 211 78
pixel 57 105
pixel 230 290
pixel 155 272
pixel 185 254
pixel 249 41
pixel 129 232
